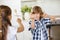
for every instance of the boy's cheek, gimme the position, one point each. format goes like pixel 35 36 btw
pixel 36 18
pixel 32 16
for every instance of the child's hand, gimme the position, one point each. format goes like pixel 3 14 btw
pixel 49 16
pixel 19 20
pixel 52 18
pixel 21 27
pixel 32 16
pixel 45 15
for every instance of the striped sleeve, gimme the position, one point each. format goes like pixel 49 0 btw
pixel 47 21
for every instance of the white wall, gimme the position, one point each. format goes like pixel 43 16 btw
pixel 51 7
pixel 14 5
pixel 28 3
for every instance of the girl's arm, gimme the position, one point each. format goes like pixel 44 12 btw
pixel 21 27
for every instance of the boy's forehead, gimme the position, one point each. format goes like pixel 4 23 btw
pixel 34 11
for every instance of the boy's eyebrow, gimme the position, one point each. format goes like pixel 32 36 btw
pixel 33 12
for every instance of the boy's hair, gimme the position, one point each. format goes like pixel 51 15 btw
pixel 37 9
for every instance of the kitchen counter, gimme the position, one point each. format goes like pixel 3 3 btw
pixel 54 28
pixel 55 23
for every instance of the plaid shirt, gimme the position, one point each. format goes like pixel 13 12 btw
pixel 40 29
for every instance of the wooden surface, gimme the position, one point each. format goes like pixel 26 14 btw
pixel 55 32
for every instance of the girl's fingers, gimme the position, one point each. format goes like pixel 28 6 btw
pixel 18 20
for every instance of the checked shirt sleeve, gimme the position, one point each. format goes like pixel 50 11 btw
pixel 37 25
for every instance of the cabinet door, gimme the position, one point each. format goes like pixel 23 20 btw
pixel 55 32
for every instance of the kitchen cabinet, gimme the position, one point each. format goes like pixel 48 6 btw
pixel 54 30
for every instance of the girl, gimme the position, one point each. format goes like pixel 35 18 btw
pixel 38 24
pixel 8 30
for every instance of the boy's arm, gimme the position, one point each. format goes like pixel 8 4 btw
pixel 47 21
pixel 52 18
pixel 32 24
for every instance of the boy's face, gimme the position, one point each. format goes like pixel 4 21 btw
pixel 36 16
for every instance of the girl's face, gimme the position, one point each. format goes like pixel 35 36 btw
pixel 10 17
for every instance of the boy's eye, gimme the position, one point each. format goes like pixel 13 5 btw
pixel 33 12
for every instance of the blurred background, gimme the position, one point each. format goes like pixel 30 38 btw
pixel 22 8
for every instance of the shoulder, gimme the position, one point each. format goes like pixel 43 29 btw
pixel 46 20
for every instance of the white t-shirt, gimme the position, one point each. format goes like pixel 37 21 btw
pixel 11 34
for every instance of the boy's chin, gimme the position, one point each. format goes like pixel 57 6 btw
pixel 36 19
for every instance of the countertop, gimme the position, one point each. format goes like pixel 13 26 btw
pixel 55 23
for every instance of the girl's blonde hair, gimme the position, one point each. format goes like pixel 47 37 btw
pixel 37 9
